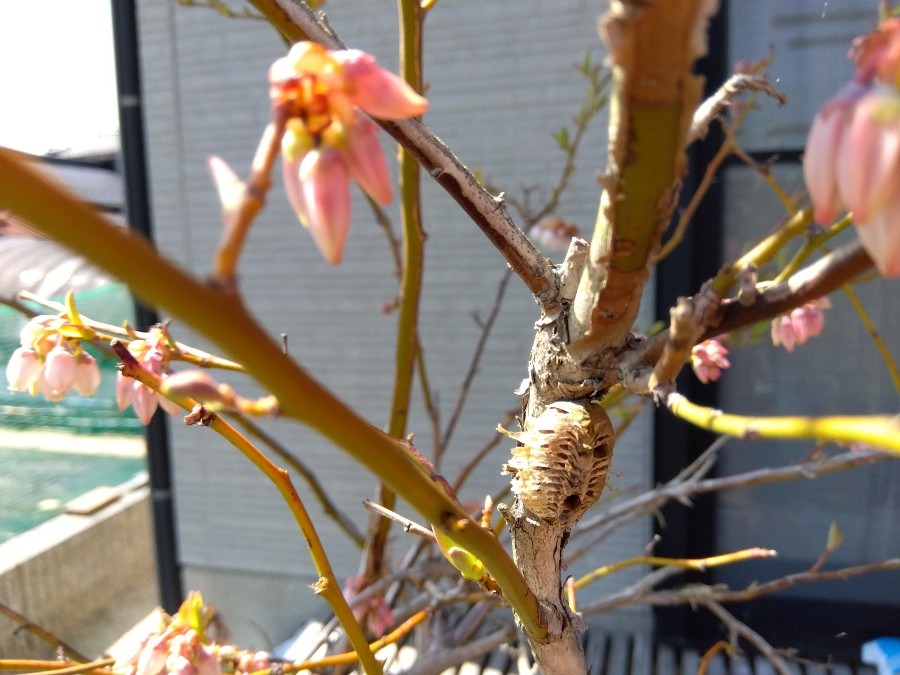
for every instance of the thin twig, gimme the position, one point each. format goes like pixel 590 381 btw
pixel 431 664
pixel 182 352
pixel 328 506
pixel 407 524
pixel 475 459
pixel 699 593
pixel 25 624
pixel 77 668
pixel 689 483
pixel 738 628
pixel 486 326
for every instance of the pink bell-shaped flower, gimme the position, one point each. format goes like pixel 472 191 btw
pixel 377 91
pixel 869 166
pixel 365 160
pixel 87 374
pixel 59 369
pixel 881 238
pixel 23 369
pixel 820 160
pixel 325 190
pixel 709 359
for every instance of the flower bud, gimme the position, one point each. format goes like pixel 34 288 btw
pixel 59 369
pixel 87 374
pixel 23 369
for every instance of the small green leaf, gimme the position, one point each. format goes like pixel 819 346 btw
pixel 835 537
pixel 562 138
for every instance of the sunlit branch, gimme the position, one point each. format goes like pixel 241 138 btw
pixel 880 431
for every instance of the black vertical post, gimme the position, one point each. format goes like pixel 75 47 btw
pixel 137 210
pixel 690 532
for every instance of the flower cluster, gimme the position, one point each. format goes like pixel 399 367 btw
pixel 152 352
pixel 186 644
pixel 51 360
pixel 800 324
pixel 327 140
pixel 709 359
pixel 852 158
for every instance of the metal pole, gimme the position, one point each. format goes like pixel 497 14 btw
pixel 139 218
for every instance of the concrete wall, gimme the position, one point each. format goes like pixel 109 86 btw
pixel 86 579
pixel 501 80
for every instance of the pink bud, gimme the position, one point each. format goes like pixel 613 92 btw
pixel 87 374
pixel 124 391
pixel 881 238
pixel 145 402
pixel 153 657
pixel 821 157
pixel 326 195
pixel 198 385
pixel 207 661
pixel 365 160
pixel 783 333
pixel 869 167
pixel 377 91
pixel 229 187
pixel 23 369
pixel 708 359
pixel 59 369
pixel 293 188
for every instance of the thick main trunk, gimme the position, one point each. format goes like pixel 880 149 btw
pixel 537 550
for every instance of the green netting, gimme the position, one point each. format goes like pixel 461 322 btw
pixel 98 414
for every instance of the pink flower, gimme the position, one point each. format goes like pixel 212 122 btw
pixel 327 140
pixel 820 160
pixel 50 361
pixel 377 91
pixel 23 369
pixel 325 195
pixel 869 160
pixel 852 157
pixel 365 160
pixel 800 324
pixel 153 355
pixel 708 359
pixel 59 368
pixel 87 374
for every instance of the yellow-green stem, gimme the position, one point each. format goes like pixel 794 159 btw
pixel 327 585
pixel 411 276
pixel 880 431
pixel 763 252
pixel 811 245
pixel 698 564
pixel 221 317
pixel 874 334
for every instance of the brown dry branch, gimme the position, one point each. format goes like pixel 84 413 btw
pixel 725 95
pixel 737 629
pixel 691 483
pixel 23 623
